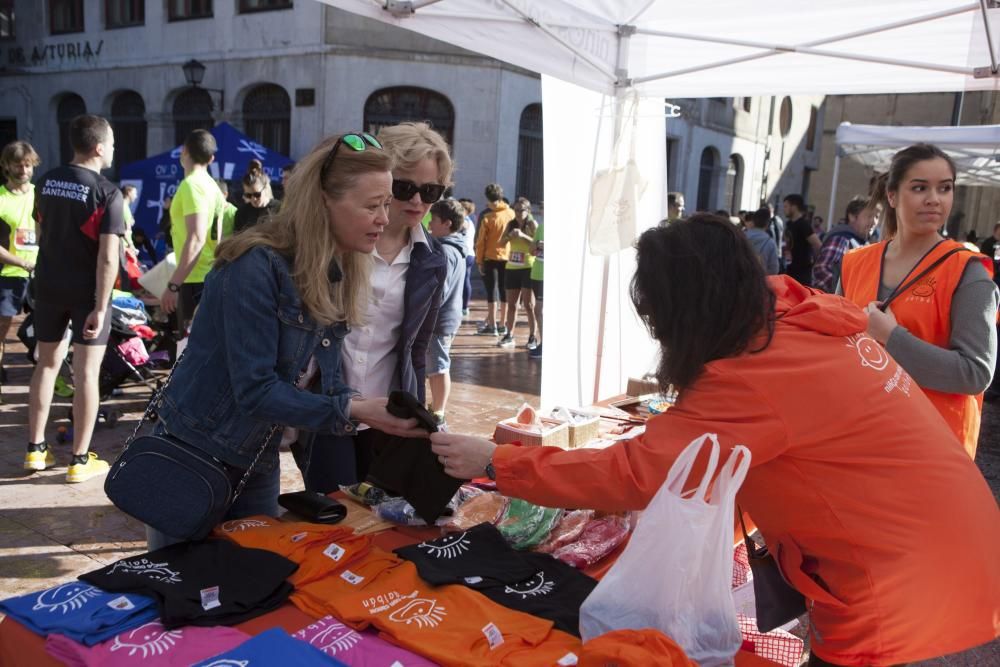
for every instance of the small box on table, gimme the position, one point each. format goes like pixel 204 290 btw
pixel 553 432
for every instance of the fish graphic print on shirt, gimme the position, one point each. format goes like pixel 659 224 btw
pixel 424 612
pixel 450 546
pixel 147 640
pixel 65 598
pixel 536 585
pixel 155 571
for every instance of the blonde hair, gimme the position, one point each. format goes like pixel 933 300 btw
pixel 410 143
pixel 301 230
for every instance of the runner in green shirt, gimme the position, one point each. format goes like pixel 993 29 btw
pixel 537 276
pixel 18 246
pixel 194 208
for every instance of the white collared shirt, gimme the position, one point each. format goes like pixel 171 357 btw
pixel 369 352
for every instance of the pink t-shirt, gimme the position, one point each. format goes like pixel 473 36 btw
pixel 358 649
pixel 149 645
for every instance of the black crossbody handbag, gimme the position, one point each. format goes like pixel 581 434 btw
pixel 172 486
pixel 777 602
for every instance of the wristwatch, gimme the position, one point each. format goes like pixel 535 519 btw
pixel 173 287
pixel 490 470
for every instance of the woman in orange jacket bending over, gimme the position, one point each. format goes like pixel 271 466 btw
pixel 939 324
pixel 891 536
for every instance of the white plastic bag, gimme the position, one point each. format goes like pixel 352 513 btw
pixel 676 573
pixel 155 280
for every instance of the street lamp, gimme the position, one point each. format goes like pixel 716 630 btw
pixel 194 74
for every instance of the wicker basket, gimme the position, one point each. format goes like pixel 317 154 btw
pixel 580 433
pixel 554 433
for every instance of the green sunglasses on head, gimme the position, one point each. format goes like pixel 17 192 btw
pixel 356 141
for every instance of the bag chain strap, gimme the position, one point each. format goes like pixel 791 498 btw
pixel 156 401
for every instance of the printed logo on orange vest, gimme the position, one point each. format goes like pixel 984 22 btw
pixel 925 288
pixel 872 354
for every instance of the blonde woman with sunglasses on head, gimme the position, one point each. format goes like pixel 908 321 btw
pixel 389 351
pixel 265 346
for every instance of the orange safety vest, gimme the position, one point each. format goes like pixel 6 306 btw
pixel 925 311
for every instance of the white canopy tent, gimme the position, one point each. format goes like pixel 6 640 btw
pixel 592 53
pixel 974 148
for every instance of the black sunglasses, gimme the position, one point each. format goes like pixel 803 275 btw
pixel 404 190
pixel 253 195
pixel 358 141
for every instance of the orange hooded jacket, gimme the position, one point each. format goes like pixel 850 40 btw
pixel 890 535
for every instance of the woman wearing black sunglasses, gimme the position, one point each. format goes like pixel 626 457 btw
pixel 258 200
pixel 389 350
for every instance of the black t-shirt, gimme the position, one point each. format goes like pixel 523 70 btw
pixel 73 207
pixel 479 558
pixel 799 232
pixel 208 583
pixel 248 215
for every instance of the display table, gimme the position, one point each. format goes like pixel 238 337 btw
pixel 20 647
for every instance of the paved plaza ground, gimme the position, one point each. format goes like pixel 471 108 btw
pixel 51 531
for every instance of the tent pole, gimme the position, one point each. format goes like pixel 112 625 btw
pixel 989 36
pixel 833 190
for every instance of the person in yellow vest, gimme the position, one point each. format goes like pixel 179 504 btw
pixel 192 211
pixel 18 246
pixel 520 234
pixel 930 301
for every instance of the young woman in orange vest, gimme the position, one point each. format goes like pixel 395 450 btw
pixel 940 325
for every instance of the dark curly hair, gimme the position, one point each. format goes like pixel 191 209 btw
pixel 702 293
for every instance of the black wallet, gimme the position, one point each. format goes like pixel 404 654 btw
pixel 313 506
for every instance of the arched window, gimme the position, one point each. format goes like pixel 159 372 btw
pixel 390 106
pixel 734 183
pixel 785 117
pixel 70 106
pixel 706 179
pixel 530 176
pixel 192 111
pixel 128 119
pixel 267 117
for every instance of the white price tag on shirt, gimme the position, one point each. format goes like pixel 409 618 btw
pixel 210 598
pixel 493 635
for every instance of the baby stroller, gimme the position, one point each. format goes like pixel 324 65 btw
pixel 126 358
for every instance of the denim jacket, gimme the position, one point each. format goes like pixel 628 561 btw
pixel 249 342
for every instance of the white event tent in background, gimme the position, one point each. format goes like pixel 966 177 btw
pixel 593 54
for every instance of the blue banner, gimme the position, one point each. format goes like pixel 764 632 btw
pixel 156 178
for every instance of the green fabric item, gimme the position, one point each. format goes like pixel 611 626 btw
pixel 525 525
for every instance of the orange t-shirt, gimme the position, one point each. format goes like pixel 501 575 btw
pixel 452 625
pixel 925 311
pixel 318 549
pixel 892 536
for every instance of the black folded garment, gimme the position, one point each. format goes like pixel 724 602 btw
pixel 407 467
pixel 480 558
pixel 313 506
pixel 216 582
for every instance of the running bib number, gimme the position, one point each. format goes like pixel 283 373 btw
pixel 25 238
pixel 517 258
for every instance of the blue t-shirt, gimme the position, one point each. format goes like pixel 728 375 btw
pixel 80 611
pixel 272 647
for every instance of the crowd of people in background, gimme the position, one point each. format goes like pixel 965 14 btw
pixel 504 244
